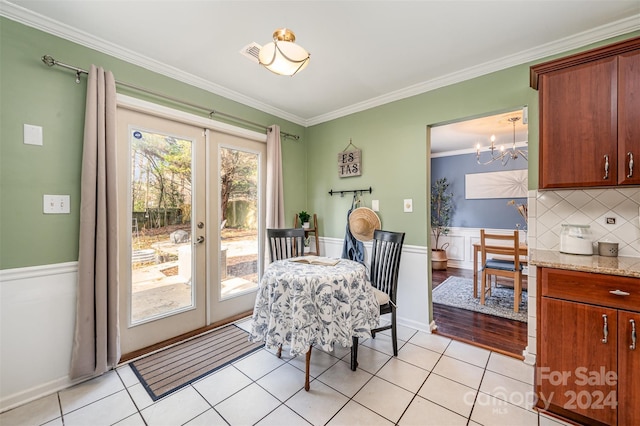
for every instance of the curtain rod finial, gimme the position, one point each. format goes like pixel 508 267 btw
pixel 48 60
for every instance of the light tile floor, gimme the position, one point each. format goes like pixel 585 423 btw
pixel 433 381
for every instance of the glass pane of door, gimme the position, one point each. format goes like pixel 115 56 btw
pixel 161 208
pixel 239 204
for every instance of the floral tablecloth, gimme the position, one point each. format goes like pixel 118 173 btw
pixel 300 304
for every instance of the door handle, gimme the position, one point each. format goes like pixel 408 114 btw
pixel 199 240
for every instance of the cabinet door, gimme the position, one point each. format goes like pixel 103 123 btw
pixel 577 366
pixel 629 118
pixel 628 369
pixel 578 126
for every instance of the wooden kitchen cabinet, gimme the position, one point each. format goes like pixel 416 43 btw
pixel 628 363
pixel 588 367
pixel 629 118
pixel 589 123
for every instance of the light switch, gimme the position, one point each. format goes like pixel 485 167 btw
pixel 32 135
pixel 375 205
pixel 56 204
pixel 408 205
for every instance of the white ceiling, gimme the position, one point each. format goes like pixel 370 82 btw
pixel 363 53
pixel 463 136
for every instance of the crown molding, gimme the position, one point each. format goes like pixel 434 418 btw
pixel 26 17
pixel 576 41
pixel 56 28
pixel 473 150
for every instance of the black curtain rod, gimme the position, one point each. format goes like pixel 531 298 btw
pixel 361 191
pixel 51 62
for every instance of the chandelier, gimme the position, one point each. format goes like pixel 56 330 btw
pixel 282 56
pixel 501 154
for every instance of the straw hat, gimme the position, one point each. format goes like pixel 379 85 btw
pixel 362 222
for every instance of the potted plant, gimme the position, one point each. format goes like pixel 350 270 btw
pixel 441 213
pixel 304 218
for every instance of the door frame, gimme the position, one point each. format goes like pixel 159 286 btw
pixel 209 125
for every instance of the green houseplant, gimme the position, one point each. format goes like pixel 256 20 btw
pixel 304 218
pixel 441 213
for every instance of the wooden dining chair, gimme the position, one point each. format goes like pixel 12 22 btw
pixel 285 243
pixel 383 273
pixel 506 265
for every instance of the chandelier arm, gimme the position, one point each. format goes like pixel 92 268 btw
pixel 493 158
pixel 505 156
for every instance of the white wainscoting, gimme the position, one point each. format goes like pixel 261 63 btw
pixel 413 282
pixel 37 316
pixel 461 240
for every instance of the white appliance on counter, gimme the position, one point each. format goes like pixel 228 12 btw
pixel 576 239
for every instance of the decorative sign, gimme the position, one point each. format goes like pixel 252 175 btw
pixel 349 163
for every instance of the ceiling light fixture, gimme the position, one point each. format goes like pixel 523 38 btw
pixel 282 56
pixel 503 156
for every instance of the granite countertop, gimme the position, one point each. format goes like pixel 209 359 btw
pixel 621 265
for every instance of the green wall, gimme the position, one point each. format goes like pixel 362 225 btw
pixel 392 137
pixel 32 93
pixel 393 140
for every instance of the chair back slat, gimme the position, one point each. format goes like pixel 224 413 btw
pixel 385 261
pixel 500 244
pixel 285 243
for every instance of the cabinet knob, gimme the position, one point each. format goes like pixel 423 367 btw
pixel 630 155
pixel 606 167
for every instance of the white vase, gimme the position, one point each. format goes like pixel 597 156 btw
pixel 305 225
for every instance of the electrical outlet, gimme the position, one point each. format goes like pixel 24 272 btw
pixel 610 220
pixel 375 205
pixel 56 204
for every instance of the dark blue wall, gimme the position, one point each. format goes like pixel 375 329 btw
pixel 485 213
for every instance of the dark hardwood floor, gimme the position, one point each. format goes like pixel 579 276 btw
pixel 502 335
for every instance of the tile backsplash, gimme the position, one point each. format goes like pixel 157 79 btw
pixel 548 210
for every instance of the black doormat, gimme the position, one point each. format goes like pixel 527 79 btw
pixel 173 368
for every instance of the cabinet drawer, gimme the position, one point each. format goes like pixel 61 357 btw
pixel 596 289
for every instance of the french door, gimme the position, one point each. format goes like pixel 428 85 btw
pixel 161 175
pixel 241 169
pixel 190 251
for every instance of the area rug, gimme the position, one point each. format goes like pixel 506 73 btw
pixel 173 368
pixel 458 292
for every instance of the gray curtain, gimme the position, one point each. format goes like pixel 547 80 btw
pixel 275 192
pixel 96 344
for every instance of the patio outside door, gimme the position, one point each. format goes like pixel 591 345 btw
pixel 162 175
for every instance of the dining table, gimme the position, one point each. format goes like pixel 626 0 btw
pixel 312 300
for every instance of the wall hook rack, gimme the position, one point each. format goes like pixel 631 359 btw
pixel 355 191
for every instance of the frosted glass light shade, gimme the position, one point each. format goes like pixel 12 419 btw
pixel 283 57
